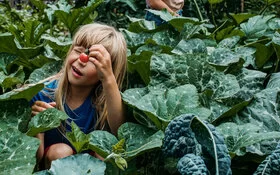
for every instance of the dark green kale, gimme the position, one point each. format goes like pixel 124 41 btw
pixel 179 138
pixel 271 164
pixel 191 164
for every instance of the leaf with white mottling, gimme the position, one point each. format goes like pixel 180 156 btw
pixel 17 152
pixel 46 120
pixel 78 164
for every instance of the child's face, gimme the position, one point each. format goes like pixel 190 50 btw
pixel 80 73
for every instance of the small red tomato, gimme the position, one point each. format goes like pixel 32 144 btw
pixel 84 57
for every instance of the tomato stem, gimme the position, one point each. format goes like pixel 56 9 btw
pixel 87 51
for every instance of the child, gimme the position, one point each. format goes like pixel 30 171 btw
pixel 87 90
pixel 173 6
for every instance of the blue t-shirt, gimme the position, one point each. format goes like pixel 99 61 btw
pixel 84 116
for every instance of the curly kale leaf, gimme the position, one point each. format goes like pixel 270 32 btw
pixel 187 134
pixel 191 164
pixel 271 165
pixel 179 138
pixel 214 150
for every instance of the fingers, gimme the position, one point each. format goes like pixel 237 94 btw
pixel 53 104
pixel 94 58
pixel 40 106
pixel 99 52
pixel 45 105
pixel 101 58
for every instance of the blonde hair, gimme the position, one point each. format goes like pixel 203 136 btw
pixel 86 36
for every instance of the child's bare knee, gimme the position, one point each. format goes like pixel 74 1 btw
pixel 57 151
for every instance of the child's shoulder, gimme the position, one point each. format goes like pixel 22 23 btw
pixel 51 84
pixel 47 94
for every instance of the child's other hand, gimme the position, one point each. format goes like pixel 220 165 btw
pixel 40 106
pixel 101 58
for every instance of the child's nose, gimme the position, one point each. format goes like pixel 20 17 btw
pixel 81 62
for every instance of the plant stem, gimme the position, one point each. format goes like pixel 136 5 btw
pixel 257 41
pixel 265 7
pixel 277 61
pixel 217 29
pixel 213 17
pixel 198 10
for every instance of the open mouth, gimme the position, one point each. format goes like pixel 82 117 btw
pixel 77 71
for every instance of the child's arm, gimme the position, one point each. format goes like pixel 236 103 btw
pixel 102 60
pixel 159 5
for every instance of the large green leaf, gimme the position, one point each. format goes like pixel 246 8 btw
pixel 17 152
pixel 10 45
pixel 10 81
pixel 274 81
pixel 230 31
pixel 135 39
pixel 241 17
pixel 188 26
pixel 78 164
pixel 250 83
pixel 175 70
pixel 274 24
pixel 163 14
pixel 247 54
pixel 241 138
pixel 14 114
pixel 261 118
pixel 101 142
pixel 130 3
pixel 59 46
pixel 190 46
pixel 164 105
pixel 222 112
pixel 276 45
pixel 223 57
pixel 256 27
pixel 26 92
pixel 46 120
pixel 52 8
pixel 166 39
pixel 140 25
pixel 73 18
pixel 6 61
pixel 139 139
pixel 263 54
pixel 141 64
pixel 45 71
pixel 230 42
pixel 30 32
pixel 263 110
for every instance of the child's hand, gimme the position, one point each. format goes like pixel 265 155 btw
pixel 40 106
pixel 101 58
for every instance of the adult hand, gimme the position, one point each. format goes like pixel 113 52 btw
pixel 40 106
